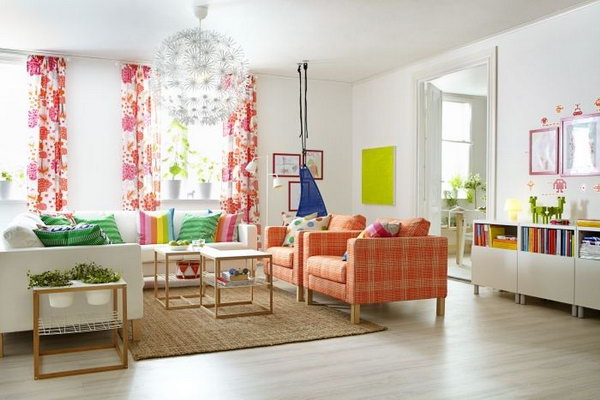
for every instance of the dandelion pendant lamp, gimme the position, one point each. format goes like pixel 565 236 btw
pixel 200 75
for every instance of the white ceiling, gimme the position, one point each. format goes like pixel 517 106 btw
pixel 471 81
pixel 346 40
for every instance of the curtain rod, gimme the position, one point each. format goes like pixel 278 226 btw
pixel 68 56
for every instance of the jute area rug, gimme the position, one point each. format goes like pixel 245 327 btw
pixel 193 331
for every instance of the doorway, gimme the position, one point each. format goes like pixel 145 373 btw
pixel 457 156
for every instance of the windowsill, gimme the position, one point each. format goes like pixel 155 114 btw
pixel 13 201
pixel 197 200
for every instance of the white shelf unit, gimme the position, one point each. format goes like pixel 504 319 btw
pixel 587 275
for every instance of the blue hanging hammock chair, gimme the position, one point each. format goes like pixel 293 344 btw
pixel 311 200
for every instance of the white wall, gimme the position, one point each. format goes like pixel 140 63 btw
pixel 555 61
pixel 329 126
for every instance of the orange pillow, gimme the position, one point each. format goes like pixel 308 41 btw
pixel 410 227
pixel 347 222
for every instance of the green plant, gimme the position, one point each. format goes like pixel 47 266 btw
pixel 178 151
pixel 207 170
pixel 451 196
pixel 472 184
pixel 54 278
pixel 6 176
pixel 93 273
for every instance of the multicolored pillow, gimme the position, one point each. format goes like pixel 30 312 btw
pixel 108 224
pixel 71 235
pixel 58 219
pixel 158 228
pixel 199 227
pixel 380 230
pixel 227 228
pixel 303 224
pixel 288 217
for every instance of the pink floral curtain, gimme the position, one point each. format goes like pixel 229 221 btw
pixel 240 189
pixel 47 182
pixel 141 141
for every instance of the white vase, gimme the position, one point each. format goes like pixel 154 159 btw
pixel 98 297
pixel 61 300
pixel 173 188
pixel 5 189
pixel 204 190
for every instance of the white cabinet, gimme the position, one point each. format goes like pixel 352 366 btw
pixel 547 276
pixel 495 268
pixel 587 283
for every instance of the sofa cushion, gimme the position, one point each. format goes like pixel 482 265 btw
pixel 108 224
pixel 380 230
pixel 410 227
pixel 327 267
pixel 57 219
pixel 194 227
pixel 303 224
pixel 19 234
pixel 156 228
pixel 227 227
pixel 72 235
pixel 347 222
pixel 283 256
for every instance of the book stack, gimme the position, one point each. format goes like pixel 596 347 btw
pixel 590 247
pixel 557 242
pixel 508 242
pixel 480 235
pixel 590 223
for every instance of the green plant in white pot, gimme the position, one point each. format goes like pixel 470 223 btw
pixel 177 159
pixel 93 274
pixel 6 182
pixel 54 278
pixel 207 173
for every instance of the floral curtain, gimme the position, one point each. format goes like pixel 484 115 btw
pixel 47 168
pixel 240 189
pixel 141 141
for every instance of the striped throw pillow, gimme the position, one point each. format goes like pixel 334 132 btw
pixel 227 228
pixel 58 219
pixel 158 228
pixel 72 235
pixel 199 227
pixel 108 225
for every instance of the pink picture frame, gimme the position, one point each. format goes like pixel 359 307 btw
pixel 580 145
pixel 286 165
pixel 544 151
pixel 314 162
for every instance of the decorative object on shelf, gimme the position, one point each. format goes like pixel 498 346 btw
pixel 286 165
pixel 581 145
pixel 596 187
pixel 200 74
pixel 530 185
pixel 543 151
pixel 178 153
pixel 54 278
pixel 559 185
pixel 544 121
pixel 313 159
pixel 582 187
pixel 559 222
pixel 559 108
pixel 378 175
pixel 294 190
pixel 597 102
pixel 577 110
pixel 513 207
pixel 187 270
pixel 545 212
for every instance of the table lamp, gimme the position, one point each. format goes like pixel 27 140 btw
pixel 513 206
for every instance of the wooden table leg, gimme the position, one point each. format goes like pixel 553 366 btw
pixel 36 335
pixel 167 281
pixel 460 237
pixel 124 358
pixel 217 264
pixel 270 290
pixel 155 274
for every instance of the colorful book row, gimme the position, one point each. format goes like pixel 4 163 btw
pixel 559 242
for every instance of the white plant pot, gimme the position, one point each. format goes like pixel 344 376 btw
pixel 61 300
pixel 98 297
pixel 5 189
pixel 172 189
pixel 204 190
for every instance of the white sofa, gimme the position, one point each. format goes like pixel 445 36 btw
pixel 130 259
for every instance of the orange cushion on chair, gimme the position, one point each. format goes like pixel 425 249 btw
pixel 327 267
pixel 410 227
pixel 347 222
pixel 283 256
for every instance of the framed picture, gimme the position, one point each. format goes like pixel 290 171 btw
pixel 314 163
pixel 293 195
pixel 286 164
pixel 543 151
pixel 581 145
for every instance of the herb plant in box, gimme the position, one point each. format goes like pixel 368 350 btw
pixel 93 274
pixel 54 278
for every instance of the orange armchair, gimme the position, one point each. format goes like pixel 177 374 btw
pixel 378 270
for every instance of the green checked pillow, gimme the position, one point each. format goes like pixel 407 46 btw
pixel 303 224
pixel 71 235
pixel 108 224
pixel 199 227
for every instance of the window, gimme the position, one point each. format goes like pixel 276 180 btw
pixel 456 143
pixel 14 133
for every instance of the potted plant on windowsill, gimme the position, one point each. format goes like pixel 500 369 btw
pixel 93 274
pixel 207 173
pixel 54 278
pixel 177 159
pixel 6 182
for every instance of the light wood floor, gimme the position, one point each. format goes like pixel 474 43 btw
pixel 486 347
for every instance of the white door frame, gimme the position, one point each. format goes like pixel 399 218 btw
pixel 489 58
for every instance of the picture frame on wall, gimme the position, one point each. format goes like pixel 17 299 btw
pixel 543 151
pixel 581 145
pixel 286 165
pixel 293 195
pixel 314 162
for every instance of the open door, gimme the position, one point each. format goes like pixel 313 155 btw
pixel 432 206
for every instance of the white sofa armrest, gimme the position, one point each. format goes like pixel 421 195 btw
pixel 16 300
pixel 247 235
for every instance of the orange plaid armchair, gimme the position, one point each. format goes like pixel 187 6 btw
pixel 288 262
pixel 378 270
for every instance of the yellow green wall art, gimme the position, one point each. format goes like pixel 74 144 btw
pixel 378 175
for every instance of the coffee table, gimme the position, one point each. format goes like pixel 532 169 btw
pixel 166 300
pixel 208 279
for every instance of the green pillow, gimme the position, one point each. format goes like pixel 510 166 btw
pixel 108 225
pixel 72 235
pixel 204 227
pixel 55 220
